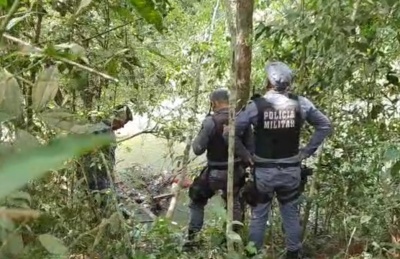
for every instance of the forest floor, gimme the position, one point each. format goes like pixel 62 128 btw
pixel 150 152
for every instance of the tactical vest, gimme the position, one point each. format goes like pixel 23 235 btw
pixel 217 149
pixel 277 134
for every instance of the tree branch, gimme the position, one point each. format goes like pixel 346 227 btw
pixel 107 31
pixel 137 134
pixel 72 63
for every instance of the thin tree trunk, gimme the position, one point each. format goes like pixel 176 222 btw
pixel 36 39
pixel 241 41
pixel 230 10
pixel 244 31
pixel 231 165
pixel 185 162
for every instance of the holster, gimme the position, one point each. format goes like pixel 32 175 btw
pixel 249 191
pixel 305 173
pixel 200 191
pixel 252 196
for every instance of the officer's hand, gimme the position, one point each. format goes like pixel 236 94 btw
pixel 226 129
pixel 249 161
pixel 302 156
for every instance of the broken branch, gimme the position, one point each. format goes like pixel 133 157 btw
pixel 137 134
pixel 72 63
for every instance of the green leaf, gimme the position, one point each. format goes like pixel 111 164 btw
pixel 235 222
pixel 10 94
pixel 45 88
pixel 59 119
pixel 365 219
pixel 4 116
pixel 234 237
pixel 20 196
pixel 394 171
pixel 83 4
pixel 16 20
pixel 14 245
pixel 391 154
pixel 147 10
pixel 251 248
pixel 19 169
pixel 53 245
pixel 75 49
pixel 3 3
pixel 24 140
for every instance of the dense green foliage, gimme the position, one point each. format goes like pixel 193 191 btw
pixel 62 59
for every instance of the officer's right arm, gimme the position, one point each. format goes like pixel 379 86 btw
pixel 200 143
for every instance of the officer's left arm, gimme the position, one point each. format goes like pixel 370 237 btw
pixel 244 119
pixel 319 121
pixel 200 143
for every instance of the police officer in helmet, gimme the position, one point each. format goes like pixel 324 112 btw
pixel 277 118
pixel 214 176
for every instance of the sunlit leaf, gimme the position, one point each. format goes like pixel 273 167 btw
pixel 147 10
pixel 365 219
pixel 45 88
pixel 83 4
pixel 16 20
pixel 74 49
pixel 53 245
pixel 14 174
pixel 234 237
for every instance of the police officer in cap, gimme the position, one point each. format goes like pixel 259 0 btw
pixel 277 118
pixel 214 176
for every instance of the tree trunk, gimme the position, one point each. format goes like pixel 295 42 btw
pixel 244 31
pixel 241 38
pixel 185 162
pixel 230 12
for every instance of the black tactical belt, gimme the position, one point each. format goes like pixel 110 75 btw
pixel 221 167
pixel 275 165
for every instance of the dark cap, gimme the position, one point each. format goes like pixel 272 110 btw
pixel 279 75
pixel 220 95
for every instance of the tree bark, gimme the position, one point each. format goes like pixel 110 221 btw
pixel 230 14
pixel 244 31
pixel 241 42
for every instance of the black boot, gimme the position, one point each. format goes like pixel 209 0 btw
pixel 190 244
pixel 293 255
